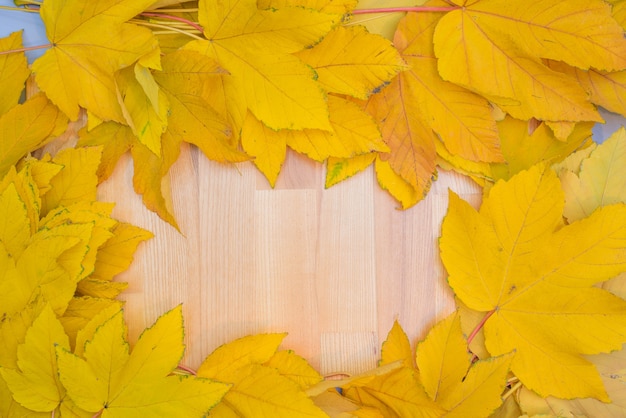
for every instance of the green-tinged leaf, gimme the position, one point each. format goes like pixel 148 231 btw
pixel 294 367
pixel 340 169
pixel 396 347
pixel 36 384
pixel 77 181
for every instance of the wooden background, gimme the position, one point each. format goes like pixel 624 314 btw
pixel 333 268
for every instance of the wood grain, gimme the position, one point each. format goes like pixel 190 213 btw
pixel 333 268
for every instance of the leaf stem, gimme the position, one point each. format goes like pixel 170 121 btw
pixel 20 9
pixel 169 28
pixel 479 326
pixel 186 369
pixel 405 9
pixel 26 48
pixel 511 391
pixel 176 18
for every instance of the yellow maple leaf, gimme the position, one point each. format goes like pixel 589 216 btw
pixel 450 378
pixel 396 394
pixel 78 33
pixel 294 367
pixel 120 383
pixel 605 88
pixel 255 47
pixel 36 384
pixel 77 181
pixel 83 316
pixel 114 138
pixel 522 148
pixel 192 119
pixel 27 127
pixel 598 183
pixel 513 38
pixel 13 72
pixel 517 262
pixel 259 388
pixel 352 61
pixel 267 146
pixel 462 119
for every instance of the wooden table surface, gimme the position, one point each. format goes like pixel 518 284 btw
pixel 333 268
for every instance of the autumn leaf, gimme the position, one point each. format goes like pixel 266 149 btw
pixel 120 383
pixel 396 347
pixel 352 61
pixel 294 367
pixel 524 147
pixel 78 33
pixel 13 72
pixel 513 38
pixel 258 389
pixel 255 47
pixel 450 378
pixel 530 274
pixel 145 111
pixel 396 394
pixel 27 127
pixel 36 384
pixel 605 88
pixel 339 169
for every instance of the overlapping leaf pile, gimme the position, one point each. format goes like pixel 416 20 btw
pixel 497 89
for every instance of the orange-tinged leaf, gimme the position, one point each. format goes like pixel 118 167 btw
pixel 412 143
pixel 443 359
pixel 352 61
pixel 262 392
pixel 396 394
pixel 267 146
pixel 146 116
pixel 353 133
pixel 516 260
pixel 192 119
pixel 25 128
pixel 250 350
pixel 462 119
pixel 396 347
pixel 493 65
pixel 599 182
pixel 522 149
pixel 36 385
pixel 13 72
pixel 605 88
pixel 77 181
pixel 339 169
pixel 255 47
pixel 396 185
pixel 295 368
pixel 78 32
